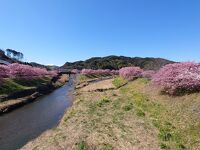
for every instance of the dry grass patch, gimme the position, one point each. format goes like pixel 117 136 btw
pixel 99 86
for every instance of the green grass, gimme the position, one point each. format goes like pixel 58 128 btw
pixel 171 136
pixel 142 104
pixel 83 78
pixel 33 82
pixel 14 85
pixel 81 146
pixel 119 82
pixel 10 86
pixel 133 106
pixel 128 107
pixel 103 102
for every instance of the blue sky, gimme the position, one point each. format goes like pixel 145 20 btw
pixel 56 31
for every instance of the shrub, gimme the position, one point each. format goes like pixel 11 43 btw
pixel 148 74
pixel 130 73
pixel 178 78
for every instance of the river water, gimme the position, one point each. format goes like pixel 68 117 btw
pixel 28 122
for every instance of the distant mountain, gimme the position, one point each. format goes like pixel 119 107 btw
pixel 34 64
pixel 48 67
pixel 52 67
pixel 117 62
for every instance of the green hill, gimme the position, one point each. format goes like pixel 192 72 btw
pixel 117 62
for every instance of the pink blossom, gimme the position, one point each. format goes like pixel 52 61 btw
pixel 76 71
pixel 23 71
pixel 4 71
pixel 98 72
pixel 115 72
pixel 130 73
pixel 52 73
pixel 148 74
pixel 178 77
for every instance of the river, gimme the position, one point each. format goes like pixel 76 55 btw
pixel 28 122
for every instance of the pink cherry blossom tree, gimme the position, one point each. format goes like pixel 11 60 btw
pixel 148 74
pixel 130 73
pixel 23 71
pixel 178 78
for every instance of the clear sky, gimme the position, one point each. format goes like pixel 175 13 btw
pixel 56 31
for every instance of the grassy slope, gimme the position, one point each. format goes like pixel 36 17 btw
pixel 176 118
pixel 11 85
pixel 83 78
pixel 119 82
pixel 134 117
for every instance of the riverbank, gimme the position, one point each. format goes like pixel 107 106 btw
pixel 16 93
pixel 30 121
pixel 131 117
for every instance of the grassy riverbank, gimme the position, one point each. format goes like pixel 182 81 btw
pixel 13 85
pixel 16 93
pixel 135 116
pixel 9 86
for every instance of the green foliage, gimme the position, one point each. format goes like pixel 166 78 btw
pixel 82 77
pixel 33 82
pixel 140 113
pixel 14 85
pixel 10 86
pixel 103 102
pixel 81 146
pixel 117 62
pixel 163 146
pixel 168 133
pixel 128 107
pixel 119 82
pixel 165 136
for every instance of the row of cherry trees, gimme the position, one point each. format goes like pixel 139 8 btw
pixel 23 71
pixel 99 72
pixel 128 73
pixel 173 79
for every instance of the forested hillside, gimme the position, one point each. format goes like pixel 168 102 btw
pixel 117 62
